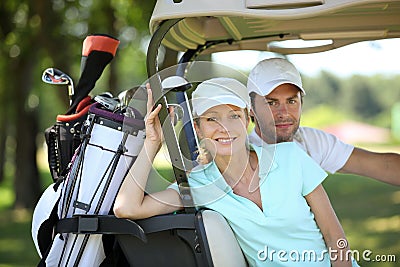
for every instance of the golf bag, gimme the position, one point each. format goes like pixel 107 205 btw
pixel 62 138
pixel 90 150
pixel 110 144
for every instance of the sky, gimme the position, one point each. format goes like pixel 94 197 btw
pixel 365 58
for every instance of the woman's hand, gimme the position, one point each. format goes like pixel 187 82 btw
pixel 131 201
pixel 153 126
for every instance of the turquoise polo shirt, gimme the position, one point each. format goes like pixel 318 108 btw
pixel 284 233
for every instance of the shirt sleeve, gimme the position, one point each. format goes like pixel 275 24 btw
pixel 174 186
pixel 312 174
pixel 326 149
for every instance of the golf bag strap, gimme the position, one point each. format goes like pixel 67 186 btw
pixel 99 224
pixel 42 262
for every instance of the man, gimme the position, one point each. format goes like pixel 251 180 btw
pixel 276 94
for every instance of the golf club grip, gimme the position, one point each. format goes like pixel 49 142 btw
pixel 97 51
pixel 98 42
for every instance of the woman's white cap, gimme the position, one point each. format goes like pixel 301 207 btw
pixel 270 73
pixel 218 91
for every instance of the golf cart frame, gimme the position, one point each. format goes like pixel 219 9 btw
pixel 203 238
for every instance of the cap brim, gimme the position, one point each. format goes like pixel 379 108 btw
pixel 271 86
pixel 205 104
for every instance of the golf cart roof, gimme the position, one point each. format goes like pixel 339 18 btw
pixel 262 24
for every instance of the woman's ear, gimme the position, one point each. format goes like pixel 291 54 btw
pixel 197 128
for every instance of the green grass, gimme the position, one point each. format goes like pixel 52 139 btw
pixel 370 215
pixel 16 245
pixel 368 210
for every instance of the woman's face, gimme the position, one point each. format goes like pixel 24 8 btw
pixel 223 130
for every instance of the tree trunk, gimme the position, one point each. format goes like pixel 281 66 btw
pixel 3 138
pixel 26 180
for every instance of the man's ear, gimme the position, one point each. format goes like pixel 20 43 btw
pixel 251 112
pixel 248 122
pixel 252 115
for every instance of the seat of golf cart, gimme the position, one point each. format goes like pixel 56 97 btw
pixel 200 239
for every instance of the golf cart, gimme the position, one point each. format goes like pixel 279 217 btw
pixel 198 28
pixel 202 237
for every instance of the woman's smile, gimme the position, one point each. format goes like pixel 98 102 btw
pixel 225 141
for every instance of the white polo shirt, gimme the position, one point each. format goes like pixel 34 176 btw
pixel 326 149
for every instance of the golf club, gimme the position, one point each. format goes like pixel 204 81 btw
pixel 56 76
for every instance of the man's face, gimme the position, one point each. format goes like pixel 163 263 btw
pixel 277 115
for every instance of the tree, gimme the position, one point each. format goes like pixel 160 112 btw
pixel 323 89
pixel 21 35
pixel 27 28
pixel 360 99
pixel 45 33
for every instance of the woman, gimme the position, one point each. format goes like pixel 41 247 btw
pixel 271 196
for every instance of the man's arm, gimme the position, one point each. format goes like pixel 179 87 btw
pixel 384 167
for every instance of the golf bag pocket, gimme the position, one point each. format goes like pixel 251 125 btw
pixel 44 218
pixel 63 138
pixel 110 143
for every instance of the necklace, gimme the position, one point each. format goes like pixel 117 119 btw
pixel 247 177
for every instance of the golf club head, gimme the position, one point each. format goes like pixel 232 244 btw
pixel 135 97
pixel 56 76
pixel 126 96
pixel 110 104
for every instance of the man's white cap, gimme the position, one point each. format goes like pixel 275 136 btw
pixel 270 73
pixel 218 91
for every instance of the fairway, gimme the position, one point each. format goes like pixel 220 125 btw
pixel 370 214
pixel 368 210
